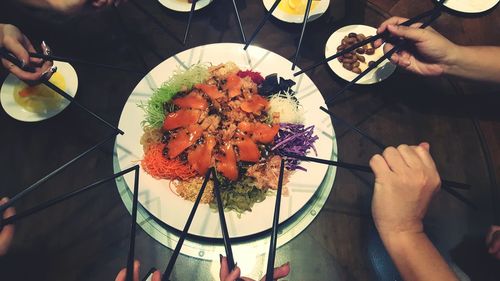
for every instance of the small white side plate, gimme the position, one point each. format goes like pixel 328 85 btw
pixel 471 6
pixel 382 72
pixel 319 10
pixel 17 112
pixel 184 5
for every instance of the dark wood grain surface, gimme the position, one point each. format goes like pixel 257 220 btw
pixel 86 238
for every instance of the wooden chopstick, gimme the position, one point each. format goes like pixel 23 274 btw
pixel 222 219
pixel 82 62
pixel 367 169
pixel 239 23
pixel 452 184
pixel 56 89
pixel 274 231
pixel 131 249
pixel 188 27
pixel 175 254
pixel 34 186
pixel 382 35
pixel 304 24
pixel 64 197
pixel 261 24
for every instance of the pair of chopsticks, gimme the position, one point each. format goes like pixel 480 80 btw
pixel 397 47
pixel 227 242
pixel 64 197
pixel 266 18
pixel 76 61
pixel 191 12
pixel 34 186
pixel 383 36
pixel 8 56
pixel 447 185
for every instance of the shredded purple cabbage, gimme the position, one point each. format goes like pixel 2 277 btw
pixel 296 139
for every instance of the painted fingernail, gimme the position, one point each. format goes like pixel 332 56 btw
pixel 49 72
pixel 46 49
pixel 220 258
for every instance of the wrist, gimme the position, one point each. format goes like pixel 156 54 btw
pixel 452 62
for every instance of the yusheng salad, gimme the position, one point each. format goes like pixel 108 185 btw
pixel 222 117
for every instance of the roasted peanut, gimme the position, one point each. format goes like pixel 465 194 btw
pixel 370 51
pixel 347 66
pixel 356 70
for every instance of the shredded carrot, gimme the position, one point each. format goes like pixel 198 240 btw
pixel 158 166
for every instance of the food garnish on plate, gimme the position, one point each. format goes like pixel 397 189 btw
pixel 40 99
pixel 236 121
pixel 296 7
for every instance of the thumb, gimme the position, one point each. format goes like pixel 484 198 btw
pixel 16 47
pixel 411 33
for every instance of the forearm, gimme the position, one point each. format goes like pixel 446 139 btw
pixel 416 258
pixel 476 62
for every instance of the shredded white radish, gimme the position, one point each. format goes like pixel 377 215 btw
pixel 287 107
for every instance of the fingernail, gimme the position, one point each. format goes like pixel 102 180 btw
pixel 285 264
pixel 220 258
pixel 46 49
pixel 23 63
pixel 49 71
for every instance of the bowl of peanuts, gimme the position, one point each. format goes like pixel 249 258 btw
pixel 352 64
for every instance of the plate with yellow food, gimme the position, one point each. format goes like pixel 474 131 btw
pixel 352 64
pixel 184 5
pixel 293 11
pixel 36 103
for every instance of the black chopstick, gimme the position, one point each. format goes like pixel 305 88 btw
pixel 276 218
pixel 131 249
pixel 239 23
pixel 182 237
pixel 398 46
pixel 51 174
pixel 151 271
pixel 383 146
pixel 352 127
pixel 64 197
pixel 367 169
pixel 261 24
pixel 304 24
pixel 188 27
pixel 365 42
pixel 47 83
pixel 222 219
pixel 82 62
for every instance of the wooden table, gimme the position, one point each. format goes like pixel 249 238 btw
pixel 87 238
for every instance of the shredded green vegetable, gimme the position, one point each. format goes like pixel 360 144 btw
pixel 240 196
pixel 155 110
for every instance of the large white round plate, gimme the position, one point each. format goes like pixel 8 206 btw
pixel 382 72
pixel 184 5
pixel 156 196
pixel 471 6
pixel 17 112
pixel 315 13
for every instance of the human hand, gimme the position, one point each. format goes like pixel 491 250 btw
pixel 225 275
pixel 493 241
pixel 7 233
pixel 406 178
pixel 19 45
pixel 429 54
pixel 137 265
